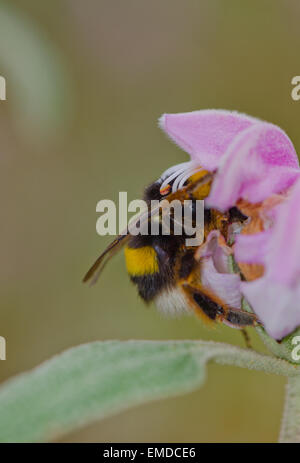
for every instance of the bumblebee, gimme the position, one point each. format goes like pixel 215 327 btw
pixel 165 270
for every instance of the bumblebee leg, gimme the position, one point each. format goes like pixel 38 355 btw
pixel 204 302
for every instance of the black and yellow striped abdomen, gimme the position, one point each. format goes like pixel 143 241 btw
pixel 149 262
pixel 143 268
pixel 141 261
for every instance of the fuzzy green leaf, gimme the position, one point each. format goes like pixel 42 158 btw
pixel 92 381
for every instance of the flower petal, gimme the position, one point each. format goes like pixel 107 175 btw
pixel 275 297
pixel 205 134
pixel 215 273
pixel 259 162
pixel 276 305
pixel 252 248
pixel 215 247
pixel 283 260
pixel 225 285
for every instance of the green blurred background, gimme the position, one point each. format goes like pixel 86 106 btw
pixel 86 83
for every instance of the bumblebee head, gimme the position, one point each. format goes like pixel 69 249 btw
pixel 177 177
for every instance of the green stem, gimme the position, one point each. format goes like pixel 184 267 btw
pixel 290 426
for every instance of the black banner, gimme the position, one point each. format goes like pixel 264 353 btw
pixel 137 452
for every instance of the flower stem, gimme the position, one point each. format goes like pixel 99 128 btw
pixel 290 426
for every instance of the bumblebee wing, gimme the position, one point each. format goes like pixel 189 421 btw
pixel 96 269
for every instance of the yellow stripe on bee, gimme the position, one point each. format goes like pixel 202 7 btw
pixel 141 261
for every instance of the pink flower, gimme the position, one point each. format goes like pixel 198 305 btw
pixel 276 296
pixel 255 166
pixel 253 158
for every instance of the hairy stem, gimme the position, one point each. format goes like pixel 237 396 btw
pixel 290 426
